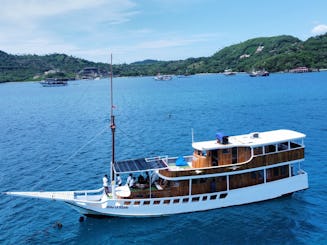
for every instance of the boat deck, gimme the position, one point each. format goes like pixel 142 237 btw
pixel 140 165
pixel 155 163
pixel 174 166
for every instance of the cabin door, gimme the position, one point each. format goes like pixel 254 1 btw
pixel 214 156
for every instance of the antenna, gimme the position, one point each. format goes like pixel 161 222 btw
pixel 192 132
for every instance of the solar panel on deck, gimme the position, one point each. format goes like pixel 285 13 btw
pixel 136 165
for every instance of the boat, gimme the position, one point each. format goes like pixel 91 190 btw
pixel 54 82
pixel 229 72
pixel 222 172
pixel 261 73
pixel 163 77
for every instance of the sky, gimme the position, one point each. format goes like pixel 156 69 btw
pixel 135 30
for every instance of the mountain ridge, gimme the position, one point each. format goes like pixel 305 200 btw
pixel 277 53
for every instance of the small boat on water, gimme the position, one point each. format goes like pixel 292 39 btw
pixel 222 172
pixel 163 77
pixel 54 82
pixel 262 73
pixel 229 72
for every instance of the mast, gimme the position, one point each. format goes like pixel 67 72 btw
pixel 112 124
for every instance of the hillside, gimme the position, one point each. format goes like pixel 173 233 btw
pixel 258 53
pixel 274 54
pixel 34 67
pixel 280 53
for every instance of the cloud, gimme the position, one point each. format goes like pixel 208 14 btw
pixel 176 41
pixel 48 26
pixel 319 29
pixel 30 10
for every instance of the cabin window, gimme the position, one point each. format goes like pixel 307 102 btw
pixel 185 199
pixel 283 170
pixel 257 151
pixel 167 201
pixel 221 178
pixel 222 195
pixel 176 201
pixel 221 183
pixel 270 148
pixel 296 144
pixel 213 197
pixel 277 173
pixel 195 199
pixel 146 203
pixel 127 203
pixel 195 181
pixel 253 175
pixel 282 146
pixel 204 198
pixel 137 203
pixel 246 179
pixel 156 202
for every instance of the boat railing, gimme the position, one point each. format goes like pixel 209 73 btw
pixel 154 200
pixel 157 158
pixel 172 160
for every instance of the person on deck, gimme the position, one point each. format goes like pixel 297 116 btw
pixel 119 182
pixel 129 178
pixel 141 179
pixel 132 182
pixel 105 184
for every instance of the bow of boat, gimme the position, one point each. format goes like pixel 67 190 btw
pixel 89 195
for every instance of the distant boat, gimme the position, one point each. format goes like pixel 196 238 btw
pixel 54 82
pixel 163 77
pixel 229 72
pixel 262 73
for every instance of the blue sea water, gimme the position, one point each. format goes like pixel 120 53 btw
pixel 58 139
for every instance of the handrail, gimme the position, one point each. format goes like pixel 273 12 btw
pixel 88 191
pixel 150 159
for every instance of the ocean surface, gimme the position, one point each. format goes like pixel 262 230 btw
pixel 58 138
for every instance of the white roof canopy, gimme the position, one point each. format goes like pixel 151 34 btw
pixel 263 138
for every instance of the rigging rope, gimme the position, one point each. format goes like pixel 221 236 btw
pixel 71 156
pixel 140 143
pixel 81 148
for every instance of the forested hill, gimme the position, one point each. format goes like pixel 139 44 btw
pixel 274 54
pixel 34 67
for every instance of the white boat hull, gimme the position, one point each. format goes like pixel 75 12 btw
pixel 246 195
